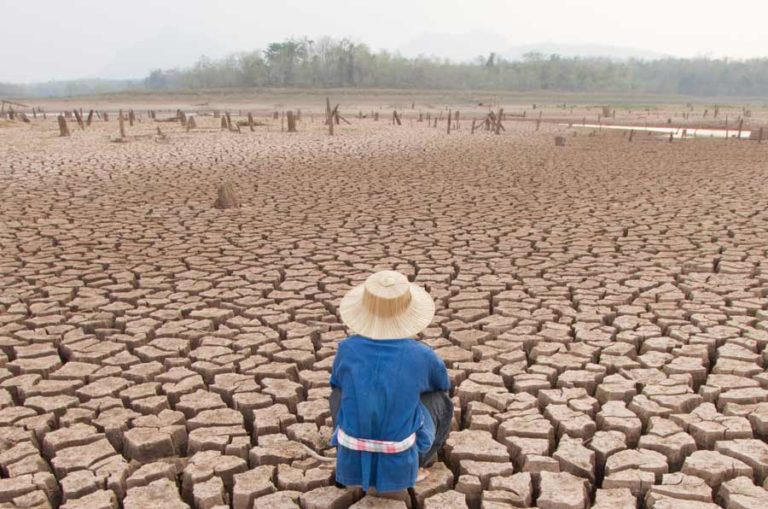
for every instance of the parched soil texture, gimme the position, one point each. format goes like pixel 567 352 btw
pixel 602 310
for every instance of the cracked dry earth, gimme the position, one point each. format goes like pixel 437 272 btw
pixel 602 310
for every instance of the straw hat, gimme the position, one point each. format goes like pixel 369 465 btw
pixel 387 306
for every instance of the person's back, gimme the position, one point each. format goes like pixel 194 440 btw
pixel 389 404
pixel 381 382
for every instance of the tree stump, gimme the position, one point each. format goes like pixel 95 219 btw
pixel 227 197
pixel 63 127
pixel 121 120
pixel 79 119
pixel 291 121
pixel 499 116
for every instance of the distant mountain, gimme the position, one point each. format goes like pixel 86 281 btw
pixel 168 49
pixel 458 47
pixel 468 46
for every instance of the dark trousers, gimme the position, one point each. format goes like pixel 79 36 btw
pixel 438 404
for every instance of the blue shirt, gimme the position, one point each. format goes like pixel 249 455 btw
pixel 381 382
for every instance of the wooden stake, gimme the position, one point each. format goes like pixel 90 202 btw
pixel 79 119
pixel 63 127
pixel 250 121
pixel 122 126
pixel 291 122
pixel 450 119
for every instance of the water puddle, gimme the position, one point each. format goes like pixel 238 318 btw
pixel 677 132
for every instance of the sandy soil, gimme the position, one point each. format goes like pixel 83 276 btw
pixel 602 308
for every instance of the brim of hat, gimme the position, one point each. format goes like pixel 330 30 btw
pixel 414 319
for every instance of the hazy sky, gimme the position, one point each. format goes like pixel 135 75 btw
pixel 57 39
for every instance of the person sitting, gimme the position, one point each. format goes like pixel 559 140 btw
pixel 389 404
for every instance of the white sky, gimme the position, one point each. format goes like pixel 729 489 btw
pixel 66 39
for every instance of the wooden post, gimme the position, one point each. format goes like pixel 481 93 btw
pixel 224 122
pixel 105 116
pixel 473 126
pixel 191 124
pixel 291 122
pixel 329 119
pixel 328 110
pixel 726 127
pixel 282 121
pixel 631 135
pixel 229 121
pixel 671 135
pixel 741 123
pixel 122 126
pixel 63 128
pixel 498 121
pixel 760 135
pixel 450 119
pixel 376 117
pixel 89 119
pixel 250 121
pixel 131 117
pixel 456 119
pixel 396 117
pixel 79 119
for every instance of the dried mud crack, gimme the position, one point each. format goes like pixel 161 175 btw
pixel 602 310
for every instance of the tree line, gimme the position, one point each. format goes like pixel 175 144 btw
pixel 334 63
